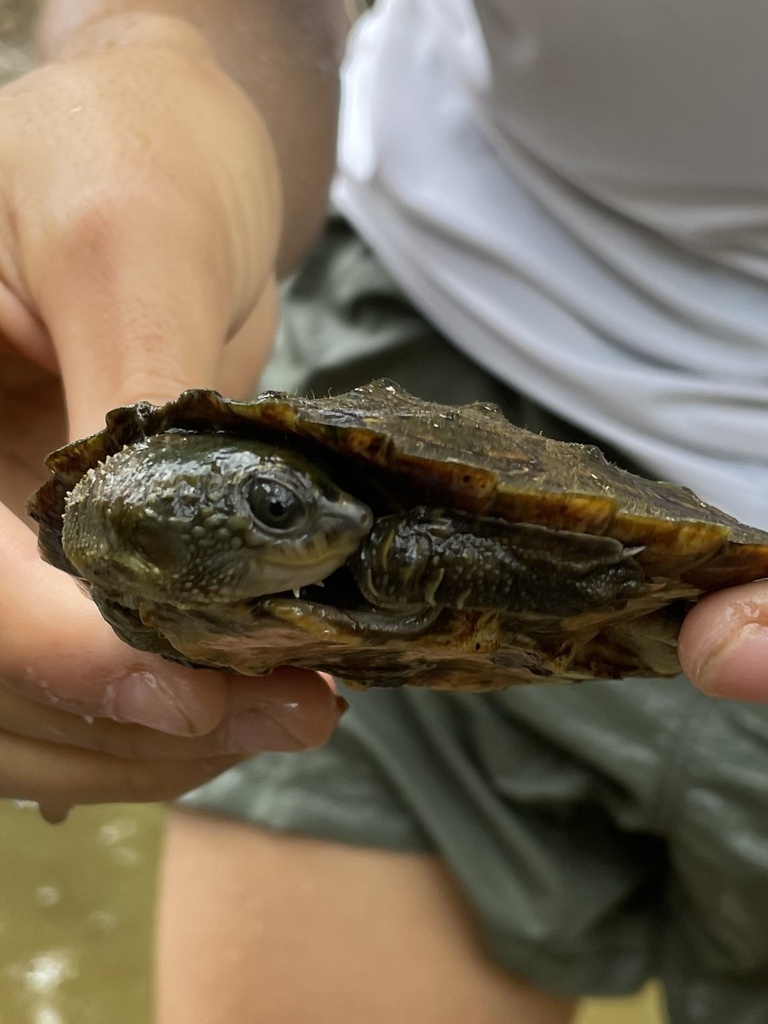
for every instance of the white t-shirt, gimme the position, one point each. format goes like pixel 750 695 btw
pixel 576 193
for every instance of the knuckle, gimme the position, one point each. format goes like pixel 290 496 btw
pixel 96 219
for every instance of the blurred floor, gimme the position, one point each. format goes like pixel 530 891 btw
pixel 75 920
pixel 643 1009
pixel 75 912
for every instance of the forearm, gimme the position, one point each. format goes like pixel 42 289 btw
pixel 283 53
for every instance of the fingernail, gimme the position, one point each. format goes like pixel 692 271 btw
pixel 145 699
pixel 280 727
pixel 739 670
pixel 253 732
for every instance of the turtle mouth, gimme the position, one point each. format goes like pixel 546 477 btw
pixel 337 590
pixel 337 607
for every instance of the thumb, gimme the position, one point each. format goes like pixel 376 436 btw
pixel 724 643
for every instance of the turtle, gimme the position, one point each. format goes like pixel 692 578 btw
pixel 382 538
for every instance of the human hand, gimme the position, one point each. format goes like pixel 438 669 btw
pixel 139 220
pixel 724 643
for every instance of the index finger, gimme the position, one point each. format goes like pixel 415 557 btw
pixel 135 316
pixel 143 237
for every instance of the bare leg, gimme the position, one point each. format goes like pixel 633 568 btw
pixel 262 927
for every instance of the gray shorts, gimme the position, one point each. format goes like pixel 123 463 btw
pixel 604 833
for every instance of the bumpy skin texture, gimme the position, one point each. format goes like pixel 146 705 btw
pixel 646 550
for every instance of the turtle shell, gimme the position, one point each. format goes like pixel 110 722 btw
pixel 396 452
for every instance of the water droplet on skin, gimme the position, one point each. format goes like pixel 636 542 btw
pixel 32 676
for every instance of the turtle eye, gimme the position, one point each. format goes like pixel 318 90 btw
pixel 276 506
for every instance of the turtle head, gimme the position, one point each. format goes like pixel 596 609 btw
pixel 196 520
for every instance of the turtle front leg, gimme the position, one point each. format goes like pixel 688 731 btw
pixel 430 559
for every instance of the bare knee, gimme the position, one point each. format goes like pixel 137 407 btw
pixel 260 926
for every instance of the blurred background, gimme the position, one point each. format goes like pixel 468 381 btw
pixel 77 899
pixel 16 19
